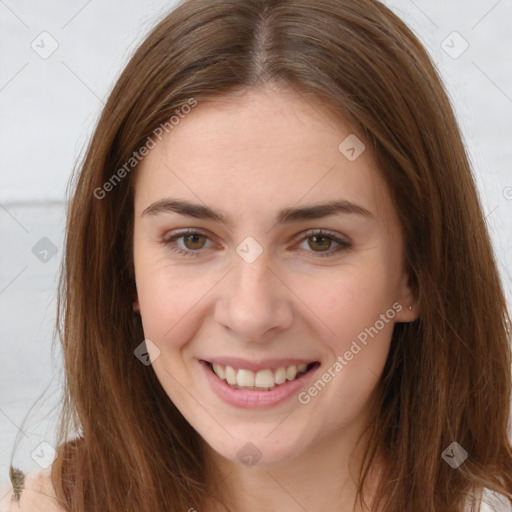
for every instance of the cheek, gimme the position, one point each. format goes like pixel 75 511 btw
pixel 353 308
pixel 166 298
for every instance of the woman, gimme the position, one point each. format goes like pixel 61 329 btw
pixel 279 291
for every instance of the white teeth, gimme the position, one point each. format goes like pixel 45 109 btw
pixel 230 376
pixel 245 378
pixel 263 379
pixel 219 370
pixel 291 372
pixel 280 375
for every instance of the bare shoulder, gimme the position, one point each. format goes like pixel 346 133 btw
pixel 33 493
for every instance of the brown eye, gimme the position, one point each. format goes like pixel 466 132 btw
pixel 194 241
pixel 187 243
pixel 322 243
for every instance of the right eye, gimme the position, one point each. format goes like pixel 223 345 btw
pixel 192 242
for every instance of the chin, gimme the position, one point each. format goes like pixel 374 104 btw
pixel 248 449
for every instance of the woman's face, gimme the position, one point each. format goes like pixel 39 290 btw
pixel 299 322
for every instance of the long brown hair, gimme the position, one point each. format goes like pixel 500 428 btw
pixel 448 374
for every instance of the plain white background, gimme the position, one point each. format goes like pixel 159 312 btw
pixel 51 101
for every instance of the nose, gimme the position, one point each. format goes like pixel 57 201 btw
pixel 253 302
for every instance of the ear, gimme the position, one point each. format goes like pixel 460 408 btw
pixel 407 298
pixel 136 305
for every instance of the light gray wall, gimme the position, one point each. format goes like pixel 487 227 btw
pixel 50 103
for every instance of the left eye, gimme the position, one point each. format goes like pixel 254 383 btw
pixel 321 242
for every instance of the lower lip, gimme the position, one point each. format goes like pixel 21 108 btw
pixel 247 399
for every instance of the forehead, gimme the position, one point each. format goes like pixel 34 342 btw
pixel 251 151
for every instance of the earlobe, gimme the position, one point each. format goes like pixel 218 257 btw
pixel 408 313
pixel 136 306
pixel 410 309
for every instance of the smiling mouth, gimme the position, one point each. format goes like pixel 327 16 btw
pixel 263 380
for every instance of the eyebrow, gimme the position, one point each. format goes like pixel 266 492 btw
pixel 198 211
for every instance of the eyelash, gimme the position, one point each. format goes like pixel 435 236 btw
pixel 170 242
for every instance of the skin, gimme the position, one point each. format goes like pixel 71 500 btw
pixel 250 155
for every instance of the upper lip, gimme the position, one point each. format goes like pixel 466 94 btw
pixel 264 364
